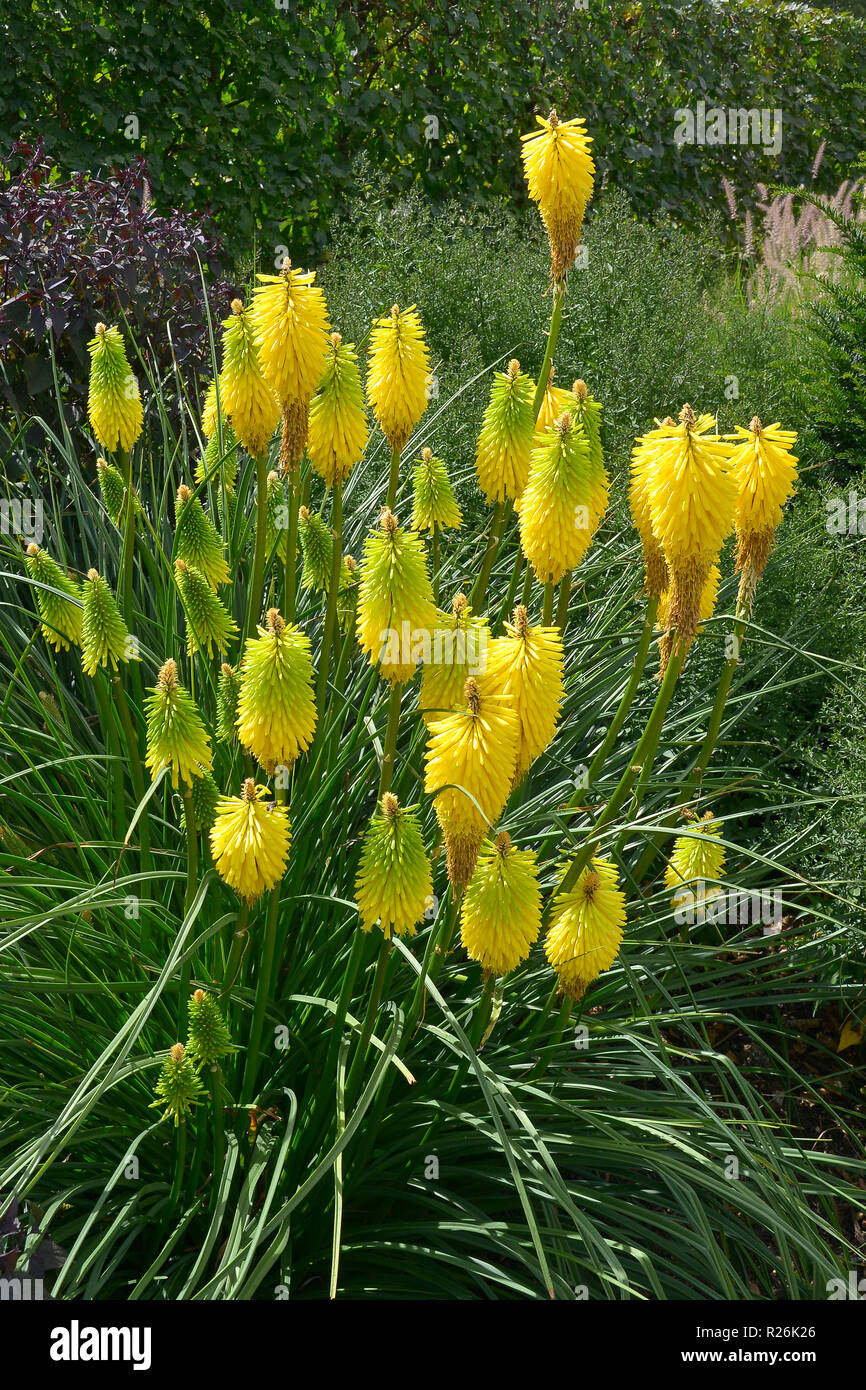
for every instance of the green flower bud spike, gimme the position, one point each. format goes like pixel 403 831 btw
pixel 208 623
pixel 113 401
pixel 178 1087
pixel 58 604
pixel 105 640
pixel 196 539
pixel 176 736
pixel 113 489
pixel 216 464
pixel 317 544
pixel 209 1037
pixel 228 690
pixel 277 535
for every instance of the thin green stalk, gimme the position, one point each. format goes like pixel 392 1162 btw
pixel 627 699
pixel 264 982
pixel 128 551
pixel 189 894
pixel 331 610
pixel 291 577
pixel 136 769
pixel 644 753
pixel 389 750
pixel 527 586
pixel 547 610
pixel 370 1016
pixel 508 606
pixel 180 1158
pixel 257 580
pixel 562 605
pixel 393 479
pixel 501 513
pixel 435 561
pixel 552 339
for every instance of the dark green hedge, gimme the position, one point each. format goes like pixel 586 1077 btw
pixel 256 109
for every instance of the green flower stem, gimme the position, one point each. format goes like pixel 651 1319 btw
pixel 627 699
pixel 180 1159
pixel 331 610
pixel 136 768
pixel 191 885
pixel 706 752
pixel 644 754
pixel 552 340
pixel 501 513
pixel 291 586
pixel 128 550
pixel 562 605
pixel 108 720
pixel 435 550
pixel 236 953
pixel 547 610
pixel 257 580
pixel 527 585
pixel 370 1016
pixel 508 606
pixel 264 983
pixel 214 1085
pixel 393 479
pixel 445 931
pixel 389 750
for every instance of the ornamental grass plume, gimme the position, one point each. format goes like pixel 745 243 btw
pixel 398 372
pixel 500 916
pixel 196 539
pixel 394 886
pixel 228 694
pixel 470 758
pixel 559 173
pixel 209 1036
pixel 690 494
pixel 113 400
pixel 695 858
pixel 764 472
pixel 434 503
pixel 338 430
pixel 276 716
pixel 553 403
pixel 58 603
pixel 504 444
pixel 585 931
pixel 317 547
pixel 176 735
pixel 395 600
pixel 105 640
pixel 208 623
pixel 249 402
pixel 461 643
pixel 178 1086
pixel 557 518
pixel 289 321
pixel 250 840
pixel 526 665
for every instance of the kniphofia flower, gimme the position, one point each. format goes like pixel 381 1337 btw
pixel 557 516
pixel 289 321
pixel 764 471
pixel 317 548
pixel 208 623
pixel 228 693
pixel 398 373
pixel 559 174
pixel 504 444
pixel 176 735
pixel 209 1036
pixel 276 716
pixel 585 931
pixel 105 640
pixel 396 616
pixel 58 600
pixel 695 858
pixel 460 647
pixel 434 503
pixel 113 400
pixel 246 397
pixel 196 539
pixel 526 666
pixel 394 886
pixel 470 758
pixel 250 840
pixel 553 403
pixel 500 917
pixel 178 1086
pixel 338 423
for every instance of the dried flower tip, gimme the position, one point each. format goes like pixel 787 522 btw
pixel 473 695
pixel 427 454
pixel 177 1052
pixel 395 311
pixel 32 549
pixel 92 574
pixel 168 674
pixel 248 790
pixel 553 119
pixel 580 390
pixel 687 416
pixel 388 521
pixel 237 306
pixel 514 367
pixel 521 620
pixel 564 424
pixel 199 995
pixel 503 842
pixel 337 339
pixel 276 623
pixel 390 805
pixel 591 884
pixel 755 425
pixel 351 563
pixel 459 604
pixel 184 493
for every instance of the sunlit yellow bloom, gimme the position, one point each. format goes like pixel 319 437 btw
pixel 247 399
pixel 585 930
pixel 434 503
pixel 526 665
pixel 176 736
pixel 505 441
pixel 289 321
pixel 559 174
pixel 394 886
pixel 398 373
pixel 113 401
pixel 276 716
pixel 58 600
pixel 558 515
pixel 554 401
pixel 250 840
pixel 696 857
pixel 460 648
pixel 500 916
pixel 764 470
pixel 338 425
pixel 396 616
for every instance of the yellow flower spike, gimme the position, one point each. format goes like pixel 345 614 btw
pixel 695 859
pixel 557 515
pixel 176 736
pixel 500 916
pixel 470 758
pixel 553 403
pixel 396 616
pixel 690 494
pixel 559 173
pixel 394 886
pixel 586 414
pixel 461 644
pixel 585 931
pixel 656 575
pixel 709 594
pixel 434 503
pixel 526 665
pixel 764 472
pixel 398 373
pixel 209 413
pixel 250 839
pixel 276 716
pixel 289 321
pixel 338 424
pixel 113 400
pixel 251 406
pixel 504 444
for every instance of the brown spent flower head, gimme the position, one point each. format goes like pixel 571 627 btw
pixel 32 549
pixel 276 622
pixel 514 367
pixel 580 390
pixel 237 307
pixel 390 805
pixel 337 339
pixel 199 995
pixel 459 604
pixel 296 427
pixel 564 424
pixel 351 563
pixel 520 620
pixel 177 1052
pixel 473 695
pixel 687 416
pixel 502 843
pixel 167 677
pixel 427 454
pixel 92 574
pixel 248 790
pixel 388 520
